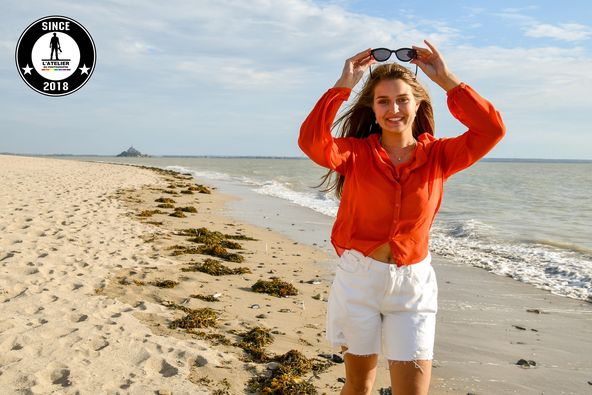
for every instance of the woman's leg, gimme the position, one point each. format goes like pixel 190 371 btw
pixel 410 377
pixel 360 373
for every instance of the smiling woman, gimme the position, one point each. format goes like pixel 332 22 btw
pixel 390 176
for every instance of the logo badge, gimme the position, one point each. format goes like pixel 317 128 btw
pixel 55 55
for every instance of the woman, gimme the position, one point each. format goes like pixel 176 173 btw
pixel 390 171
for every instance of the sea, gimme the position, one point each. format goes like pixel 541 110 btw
pixel 530 220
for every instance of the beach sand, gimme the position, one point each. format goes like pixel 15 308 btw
pixel 80 311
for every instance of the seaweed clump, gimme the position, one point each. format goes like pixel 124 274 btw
pixel 200 188
pixel 195 318
pixel 212 250
pixel 178 214
pixel 215 268
pixel 275 287
pixel 166 205
pixel 205 236
pixel 187 209
pixel 253 342
pixel 287 377
pixel 164 200
pixel 148 213
pixel 207 298
pixel 165 283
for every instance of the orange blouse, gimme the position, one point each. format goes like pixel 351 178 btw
pixel 380 204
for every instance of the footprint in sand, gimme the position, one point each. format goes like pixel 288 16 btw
pixel 9 255
pixel 55 373
pixel 16 347
pixel 61 377
pixel 79 318
pixel 99 344
pixel 168 370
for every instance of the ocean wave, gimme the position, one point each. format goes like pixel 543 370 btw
pixel 318 201
pixel 563 272
pixel 211 175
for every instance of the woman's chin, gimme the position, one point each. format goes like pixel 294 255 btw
pixel 394 131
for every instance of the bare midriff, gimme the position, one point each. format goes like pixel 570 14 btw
pixel 382 254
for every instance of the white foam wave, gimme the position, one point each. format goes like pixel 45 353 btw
pixel 211 175
pixel 316 201
pixel 563 272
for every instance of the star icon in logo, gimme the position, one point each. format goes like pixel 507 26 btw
pixel 84 69
pixel 27 69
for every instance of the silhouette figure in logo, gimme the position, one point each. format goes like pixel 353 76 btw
pixel 55 46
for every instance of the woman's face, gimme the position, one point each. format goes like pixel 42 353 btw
pixel 394 106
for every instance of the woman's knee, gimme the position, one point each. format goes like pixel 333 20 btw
pixel 360 372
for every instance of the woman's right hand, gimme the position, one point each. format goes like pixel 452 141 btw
pixel 354 68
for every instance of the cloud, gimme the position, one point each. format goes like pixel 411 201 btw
pixel 232 68
pixel 565 31
pixel 532 27
pixel 528 79
pixel 245 45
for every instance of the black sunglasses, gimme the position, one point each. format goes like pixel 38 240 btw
pixel 403 54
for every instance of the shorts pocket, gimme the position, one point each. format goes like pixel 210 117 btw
pixel 423 275
pixel 348 262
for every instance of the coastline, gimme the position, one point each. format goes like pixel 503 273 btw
pixel 123 327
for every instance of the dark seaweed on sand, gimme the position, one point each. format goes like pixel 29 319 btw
pixel 275 287
pixel 187 209
pixel 196 318
pixel 215 268
pixel 200 188
pixel 205 298
pixel 253 342
pixel 208 236
pixel 178 214
pixel 287 377
pixel 164 283
pixel 149 213
pixel 212 250
pixel 164 200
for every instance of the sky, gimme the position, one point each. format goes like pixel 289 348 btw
pixel 223 77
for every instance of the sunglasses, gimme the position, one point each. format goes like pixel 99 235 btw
pixel 403 54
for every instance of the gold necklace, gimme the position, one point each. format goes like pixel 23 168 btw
pixel 403 150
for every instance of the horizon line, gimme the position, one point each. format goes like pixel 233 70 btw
pixel 278 157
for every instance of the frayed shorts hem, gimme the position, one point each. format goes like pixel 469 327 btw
pixel 399 358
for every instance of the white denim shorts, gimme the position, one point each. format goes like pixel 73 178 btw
pixel 374 306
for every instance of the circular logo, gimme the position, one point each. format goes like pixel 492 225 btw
pixel 55 55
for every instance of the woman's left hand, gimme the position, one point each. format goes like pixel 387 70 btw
pixel 431 62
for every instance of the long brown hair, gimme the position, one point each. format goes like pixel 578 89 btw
pixel 359 120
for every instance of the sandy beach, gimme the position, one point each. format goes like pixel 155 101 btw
pixel 103 291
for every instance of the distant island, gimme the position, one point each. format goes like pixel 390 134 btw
pixel 131 151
